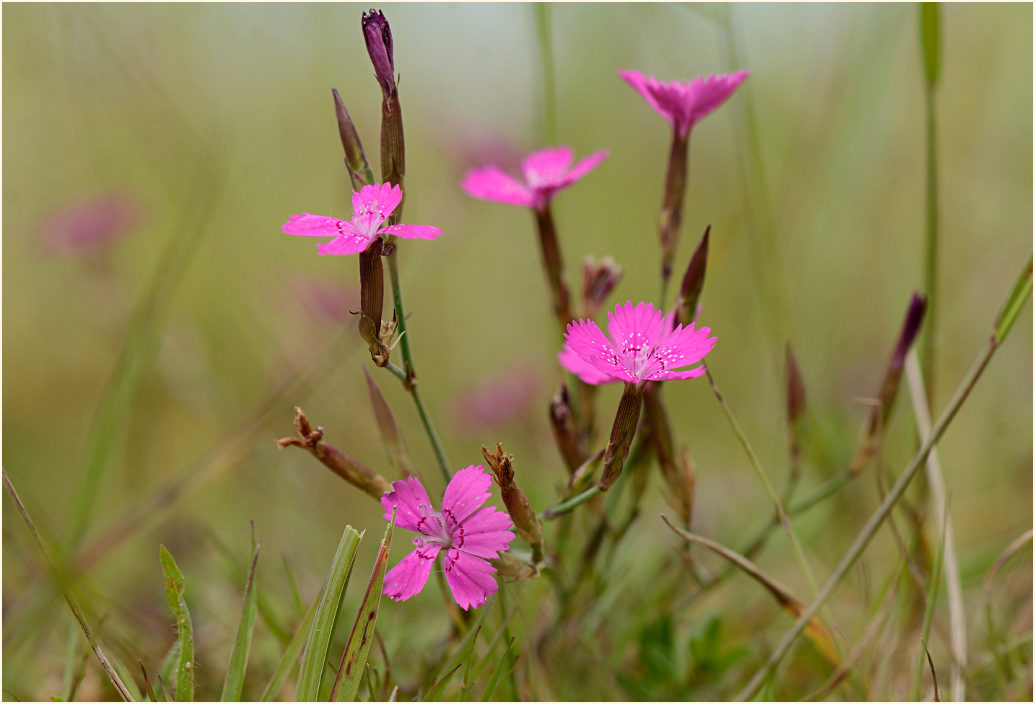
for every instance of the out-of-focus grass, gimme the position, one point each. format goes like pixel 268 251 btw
pixel 132 98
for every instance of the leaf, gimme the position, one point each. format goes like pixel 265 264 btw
pixel 174 589
pixel 391 433
pixel 234 682
pixel 147 683
pixel 497 672
pixel 463 650
pixel 929 39
pixel 1018 297
pixel 314 659
pixel 353 660
pixel 436 692
pixel 291 653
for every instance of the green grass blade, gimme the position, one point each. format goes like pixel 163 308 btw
pixel 174 589
pixel 464 649
pixel 147 683
pixel 291 653
pixel 310 672
pixel 436 691
pixel 932 596
pixel 497 673
pixel 929 31
pixel 465 681
pixel 234 682
pixel 354 659
pixel 1018 297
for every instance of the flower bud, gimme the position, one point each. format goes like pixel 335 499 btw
pixel 352 471
pixel 563 426
pixel 378 37
pixel 371 295
pixel 355 160
pixel 597 281
pixel 511 568
pixel 518 506
pixel 795 406
pixel 622 433
pixel 693 282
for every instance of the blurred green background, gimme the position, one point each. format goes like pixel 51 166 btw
pixel 210 124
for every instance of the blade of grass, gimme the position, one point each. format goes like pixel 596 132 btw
pixel 548 126
pixel 494 679
pixel 465 681
pixel 233 684
pixel 932 596
pixel 936 482
pixel 123 670
pixel 463 650
pixel 120 686
pixel 174 589
pixel 147 682
pixel 436 691
pixel 314 659
pixel 354 659
pixel 291 653
pixel 930 48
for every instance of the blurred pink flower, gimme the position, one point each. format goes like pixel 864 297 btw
pixel 685 103
pixel 371 207
pixel 87 226
pixel 546 172
pixel 500 400
pixel 325 300
pixel 469 535
pixel 643 347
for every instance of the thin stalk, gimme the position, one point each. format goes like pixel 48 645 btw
pixel 544 35
pixel 931 250
pixel 408 374
pixel 568 506
pixel 871 527
pixel 932 597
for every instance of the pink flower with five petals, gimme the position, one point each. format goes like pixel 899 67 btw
pixel 371 207
pixel 685 103
pixel 469 535
pixel 546 172
pixel 643 347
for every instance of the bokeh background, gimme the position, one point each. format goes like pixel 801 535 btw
pixel 153 151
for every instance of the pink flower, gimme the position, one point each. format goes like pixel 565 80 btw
pixel 88 226
pixel 469 535
pixel 685 103
pixel 643 347
pixel 497 401
pixel 546 172
pixel 371 207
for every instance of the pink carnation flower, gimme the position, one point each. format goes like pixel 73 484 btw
pixel 371 207
pixel 685 103
pixel 643 347
pixel 469 535
pixel 546 172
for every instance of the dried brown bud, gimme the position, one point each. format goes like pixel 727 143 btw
pixel 518 506
pixel 349 469
pixel 377 334
pixel 598 278
pixel 564 432
pixel 795 406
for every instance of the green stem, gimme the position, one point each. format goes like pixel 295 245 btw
pixel 569 505
pixel 407 375
pixel 931 249
pixel 870 529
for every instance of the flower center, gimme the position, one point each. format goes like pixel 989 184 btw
pixel 641 360
pixel 435 527
pixel 369 218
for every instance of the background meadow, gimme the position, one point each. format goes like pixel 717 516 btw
pixel 165 361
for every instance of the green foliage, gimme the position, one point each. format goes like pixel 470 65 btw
pixel 291 652
pixel 174 591
pixel 234 682
pixel 930 38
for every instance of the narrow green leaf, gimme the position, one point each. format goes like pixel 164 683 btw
pixel 500 633
pixel 291 653
pixel 929 38
pixel 174 589
pixel 497 672
pixel 932 596
pixel 463 650
pixel 436 691
pixel 71 657
pixel 123 671
pixel 265 609
pixel 310 672
pixel 354 659
pixel 465 681
pixel 147 682
pixel 234 682
pixel 391 433
pixel 1018 297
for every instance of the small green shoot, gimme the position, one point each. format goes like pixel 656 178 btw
pixel 291 653
pixel 497 673
pixel 174 590
pixel 233 685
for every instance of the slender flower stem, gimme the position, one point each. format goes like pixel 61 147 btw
pixel 553 263
pixel 931 250
pixel 407 375
pixel 568 506
pixel 670 219
pixel 871 527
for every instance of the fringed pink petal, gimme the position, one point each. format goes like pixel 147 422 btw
pixel 676 376
pixel 706 94
pixel 408 495
pixel 584 167
pixel 411 574
pixel 492 183
pixel 467 490
pixel 547 167
pixel 412 232
pixel 587 341
pixel 346 244
pixel 685 346
pixel 318 226
pixel 651 89
pixel 469 578
pixel 485 533
pixel 584 370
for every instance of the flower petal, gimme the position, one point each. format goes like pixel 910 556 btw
pixel 318 226
pixel 492 183
pixel 582 369
pixel 587 341
pixel 584 167
pixel 638 328
pixel 684 346
pixel 408 495
pixel 676 376
pixel 373 204
pixel 467 490
pixel 347 244
pixel 469 578
pixel 665 102
pixel 706 94
pixel 547 167
pixel 411 574
pixel 485 533
pixel 411 232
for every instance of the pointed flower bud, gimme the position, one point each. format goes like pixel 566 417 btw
pixel 352 471
pixel 378 36
pixel 598 278
pixel 880 415
pixel 622 433
pixel 564 432
pixel 355 160
pixel 795 407
pixel 391 433
pixel 693 282
pixel 521 510
pixel 372 294
pixel 512 569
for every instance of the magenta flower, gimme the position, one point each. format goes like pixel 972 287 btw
pixel 371 207
pixel 469 535
pixel 546 172
pixel 643 347
pixel 85 227
pixel 685 103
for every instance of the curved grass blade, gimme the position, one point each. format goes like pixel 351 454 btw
pixel 310 672
pixel 463 650
pixel 234 682
pixel 291 653
pixel 354 659
pixel 147 682
pixel 174 589
pixel 436 692
pixel 1018 297
pixel 497 673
